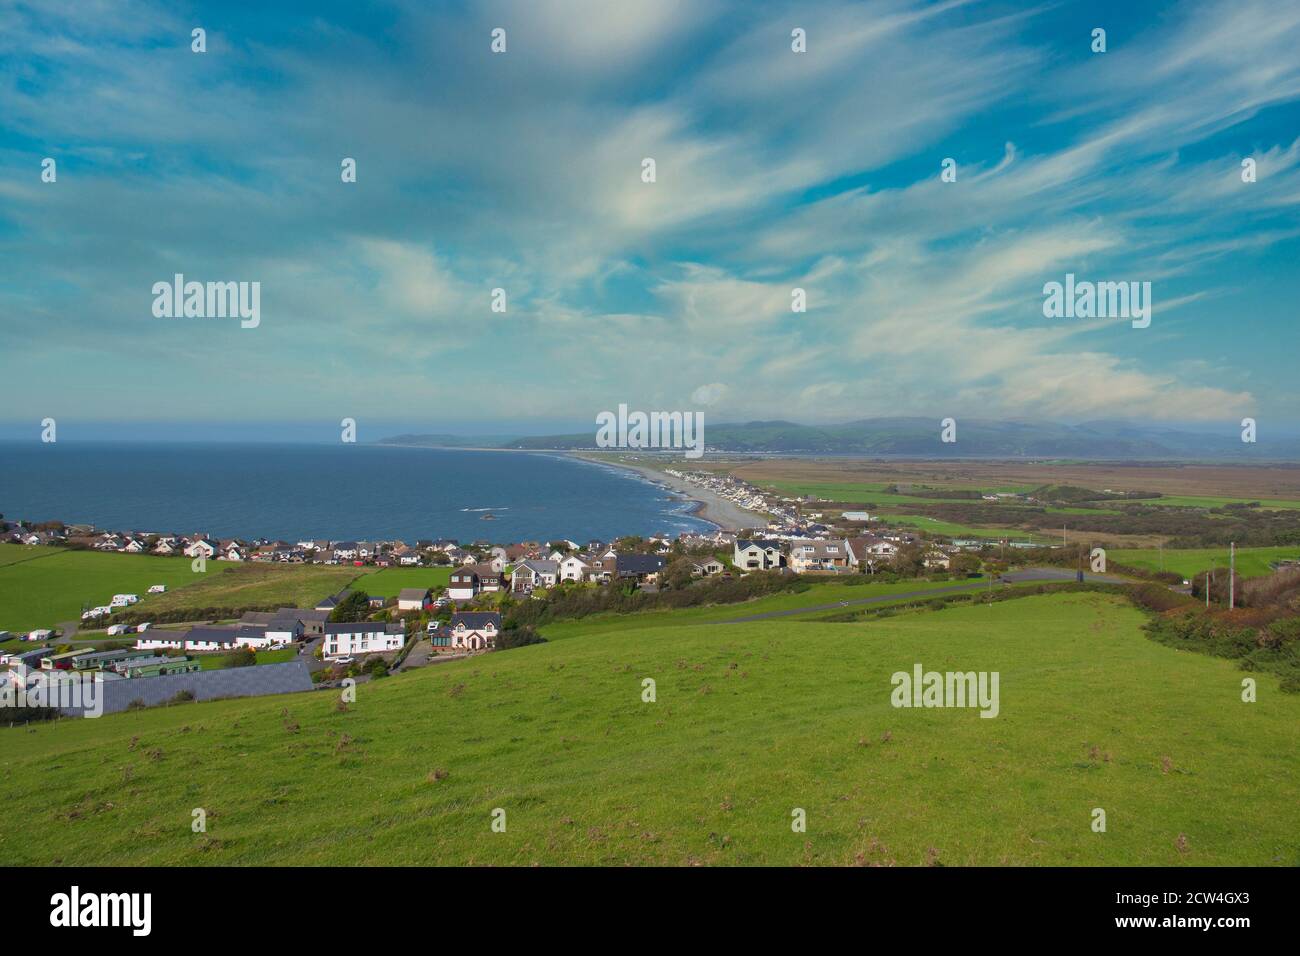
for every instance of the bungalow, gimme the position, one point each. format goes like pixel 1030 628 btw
pixel 534 573
pixel 475 632
pixel 165 546
pixel 252 635
pixel 412 599
pixel 364 637
pixel 211 639
pixel 937 559
pixel 707 567
pixel 155 639
pixel 757 555
pixel 346 550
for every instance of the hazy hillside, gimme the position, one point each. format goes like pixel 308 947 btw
pixel 919 437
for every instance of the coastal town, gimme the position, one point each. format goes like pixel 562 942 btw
pixel 352 633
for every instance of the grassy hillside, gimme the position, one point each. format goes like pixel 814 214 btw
pixel 822 593
pixel 388 581
pixel 1251 562
pixel 751 721
pixel 40 587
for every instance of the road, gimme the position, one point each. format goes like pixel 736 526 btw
pixel 1014 577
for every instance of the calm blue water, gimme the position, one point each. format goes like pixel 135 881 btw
pixel 339 491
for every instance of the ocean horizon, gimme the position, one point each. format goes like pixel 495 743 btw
pixel 295 491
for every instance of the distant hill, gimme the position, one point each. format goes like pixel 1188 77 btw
pixel 919 438
pixel 449 441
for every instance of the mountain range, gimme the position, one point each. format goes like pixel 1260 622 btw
pixel 920 438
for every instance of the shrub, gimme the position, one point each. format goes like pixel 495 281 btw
pixel 518 637
pixel 241 657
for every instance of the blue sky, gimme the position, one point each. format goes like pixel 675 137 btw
pixel 522 171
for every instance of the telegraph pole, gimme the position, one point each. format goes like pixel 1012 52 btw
pixel 1207 590
pixel 1232 571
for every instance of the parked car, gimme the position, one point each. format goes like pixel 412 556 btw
pixel 342 660
pixel 115 629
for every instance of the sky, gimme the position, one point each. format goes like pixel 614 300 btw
pixel 523 171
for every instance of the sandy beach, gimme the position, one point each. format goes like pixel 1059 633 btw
pixel 725 514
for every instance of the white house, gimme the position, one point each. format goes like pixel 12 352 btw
pixel 870 551
pixel 159 640
pixel 757 555
pixel 363 637
pixel 534 573
pixel 412 599
pixel 475 631
pixel 818 555
pixel 201 548
pixel 573 568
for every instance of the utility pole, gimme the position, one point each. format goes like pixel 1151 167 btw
pixel 1064 543
pixel 1207 590
pixel 1232 571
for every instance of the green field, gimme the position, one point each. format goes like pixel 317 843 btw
pixel 751 722
pixel 216 662
pixel 856 588
pixel 41 587
pixel 386 582
pixel 952 529
pixel 255 585
pixel 860 492
pixel 1251 562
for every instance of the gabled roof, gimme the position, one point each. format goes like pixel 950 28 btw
pixel 477 620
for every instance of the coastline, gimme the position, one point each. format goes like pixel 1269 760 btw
pixel 718 511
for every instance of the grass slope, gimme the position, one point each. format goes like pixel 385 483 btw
pixel 816 594
pixel 386 582
pixel 751 722
pixel 1251 562
pixel 41 587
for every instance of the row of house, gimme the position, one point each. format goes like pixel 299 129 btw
pixel 804 555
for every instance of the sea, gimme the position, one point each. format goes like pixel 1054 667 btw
pixel 338 491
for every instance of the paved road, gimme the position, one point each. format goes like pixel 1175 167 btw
pixel 1014 577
